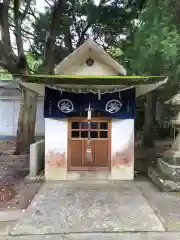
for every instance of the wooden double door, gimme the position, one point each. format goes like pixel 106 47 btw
pixel 100 144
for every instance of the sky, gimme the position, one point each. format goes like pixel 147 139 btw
pixel 40 4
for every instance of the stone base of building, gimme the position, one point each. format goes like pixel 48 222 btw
pixel 161 182
pixel 121 173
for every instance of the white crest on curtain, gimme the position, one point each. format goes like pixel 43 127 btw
pixel 113 106
pixel 65 106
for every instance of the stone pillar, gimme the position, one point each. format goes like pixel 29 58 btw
pixel 36 158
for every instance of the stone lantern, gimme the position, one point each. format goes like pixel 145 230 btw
pixel 166 175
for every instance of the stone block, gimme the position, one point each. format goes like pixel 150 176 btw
pixel 170 171
pixel 37 155
pixel 161 182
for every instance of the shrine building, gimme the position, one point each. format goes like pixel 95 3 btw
pixel 89 113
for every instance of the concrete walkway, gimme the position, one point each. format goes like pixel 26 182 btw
pixel 88 207
pixel 99 210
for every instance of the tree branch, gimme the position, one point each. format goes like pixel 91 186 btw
pixel 6 60
pixel 51 35
pixel 81 39
pixel 3 51
pixel 32 48
pixel 33 14
pixel 30 35
pixel 68 40
pixel 74 18
pixel 5 34
pixel 4 22
pixel 17 21
pixel 48 3
pixel 3 64
pixel 28 4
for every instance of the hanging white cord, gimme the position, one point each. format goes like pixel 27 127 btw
pixel 89 130
pixel 89 113
pixel 88 148
pixel 99 95
pixel 89 122
pixel 78 90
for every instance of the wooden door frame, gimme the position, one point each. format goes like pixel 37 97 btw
pixel 93 169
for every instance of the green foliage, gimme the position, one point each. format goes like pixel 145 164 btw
pixel 4 75
pixel 33 62
pixel 80 20
pixel 115 52
pixel 156 43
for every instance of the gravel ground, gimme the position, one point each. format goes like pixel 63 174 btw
pixel 13 170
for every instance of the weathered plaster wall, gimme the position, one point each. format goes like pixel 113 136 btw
pixel 56 148
pixel 122 150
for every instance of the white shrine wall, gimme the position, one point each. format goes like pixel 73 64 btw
pixel 56 134
pixel 56 145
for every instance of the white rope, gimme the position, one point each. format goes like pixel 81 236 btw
pixel 89 121
pixel 120 95
pixel 91 90
pixel 89 130
pixel 99 95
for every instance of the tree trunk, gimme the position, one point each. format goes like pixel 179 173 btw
pixel 148 131
pixel 27 120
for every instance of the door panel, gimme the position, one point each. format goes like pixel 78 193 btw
pixel 76 153
pixel 78 138
pixel 101 153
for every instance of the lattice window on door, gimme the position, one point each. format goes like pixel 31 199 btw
pixel 99 130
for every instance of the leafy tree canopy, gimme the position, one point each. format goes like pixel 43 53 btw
pixel 108 23
pixel 52 35
pixel 156 43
